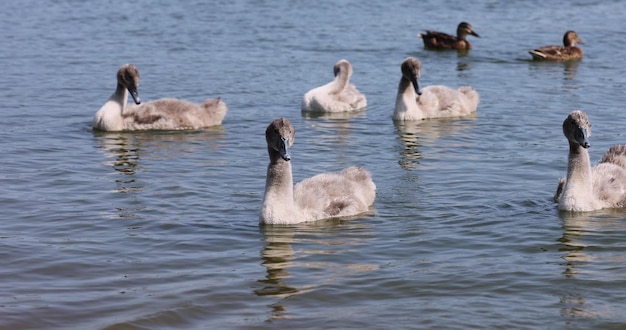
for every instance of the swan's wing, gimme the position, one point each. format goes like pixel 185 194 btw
pixel 441 101
pixel 609 184
pixel 166 114
pixel 351 96
pixel 346 193
pixel 615 155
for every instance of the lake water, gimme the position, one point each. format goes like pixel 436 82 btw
pixel 160 229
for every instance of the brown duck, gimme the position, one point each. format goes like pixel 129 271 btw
pixel 439 40
pixel 567 52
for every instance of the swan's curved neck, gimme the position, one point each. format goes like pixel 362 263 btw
pixel 341 81
pixel 405 87
pixel 278 202
pixel 578 190
pixel 120 96
pixel 579 166
pixel 110 115
pixel 406 102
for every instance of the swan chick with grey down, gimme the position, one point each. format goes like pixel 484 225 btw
pixel 587 188
pixel 433 101
pixel 164 114
pixel 338 95
pixel 328 195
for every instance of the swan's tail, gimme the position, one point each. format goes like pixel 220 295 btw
pixel 216 109
pixel 471 95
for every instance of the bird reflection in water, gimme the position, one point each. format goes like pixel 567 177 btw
pixel 416 134
pixel 316 242
pixel 582 234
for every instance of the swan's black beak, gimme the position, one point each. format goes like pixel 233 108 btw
pixel 283 149
pixel 582 136
pixel 134 94
pixel 416 86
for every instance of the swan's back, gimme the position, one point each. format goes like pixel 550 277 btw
pixel 337 194
pixel 175 114
pixel 443 101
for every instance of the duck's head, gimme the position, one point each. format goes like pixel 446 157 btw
pixel 411 70
pixel 280 135
pixel 577 129
pixel 571 39
pixel 128 76
pixel 464 29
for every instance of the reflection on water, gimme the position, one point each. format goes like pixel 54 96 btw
pixel 414 134
pixel 581 255
pixel 562 70
pixel 124 153
pixel 335 129
pixel 314 242
pixel 125 150
pixel 334 115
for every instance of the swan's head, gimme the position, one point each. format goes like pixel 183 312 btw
pixel 571 39
pixel 128 76
pixel 464 29
pixel 577 129
pixel 343 66
pixel 279 136
pixel 411 70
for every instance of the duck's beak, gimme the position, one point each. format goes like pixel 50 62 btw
pixel 416 86
pixel 134 94
pixel 474 34
pixel 283 149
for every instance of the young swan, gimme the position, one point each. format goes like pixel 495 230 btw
pixel 432 102
pixel 163 114
pixel 338 95
pixel 586 188
pixel 327 195
pixel 567 52
pixel 440 41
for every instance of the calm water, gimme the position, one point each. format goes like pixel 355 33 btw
pixel 159 230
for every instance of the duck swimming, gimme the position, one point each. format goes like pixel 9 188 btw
pixel 163 114
pixel 441 41
pixel 568 52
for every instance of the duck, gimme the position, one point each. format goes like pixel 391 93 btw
pixel 441 41
pixel 568 52
pixel 163 114
pixel 338 95
pixel 587 188
pixel 328 195
pixel 433 101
